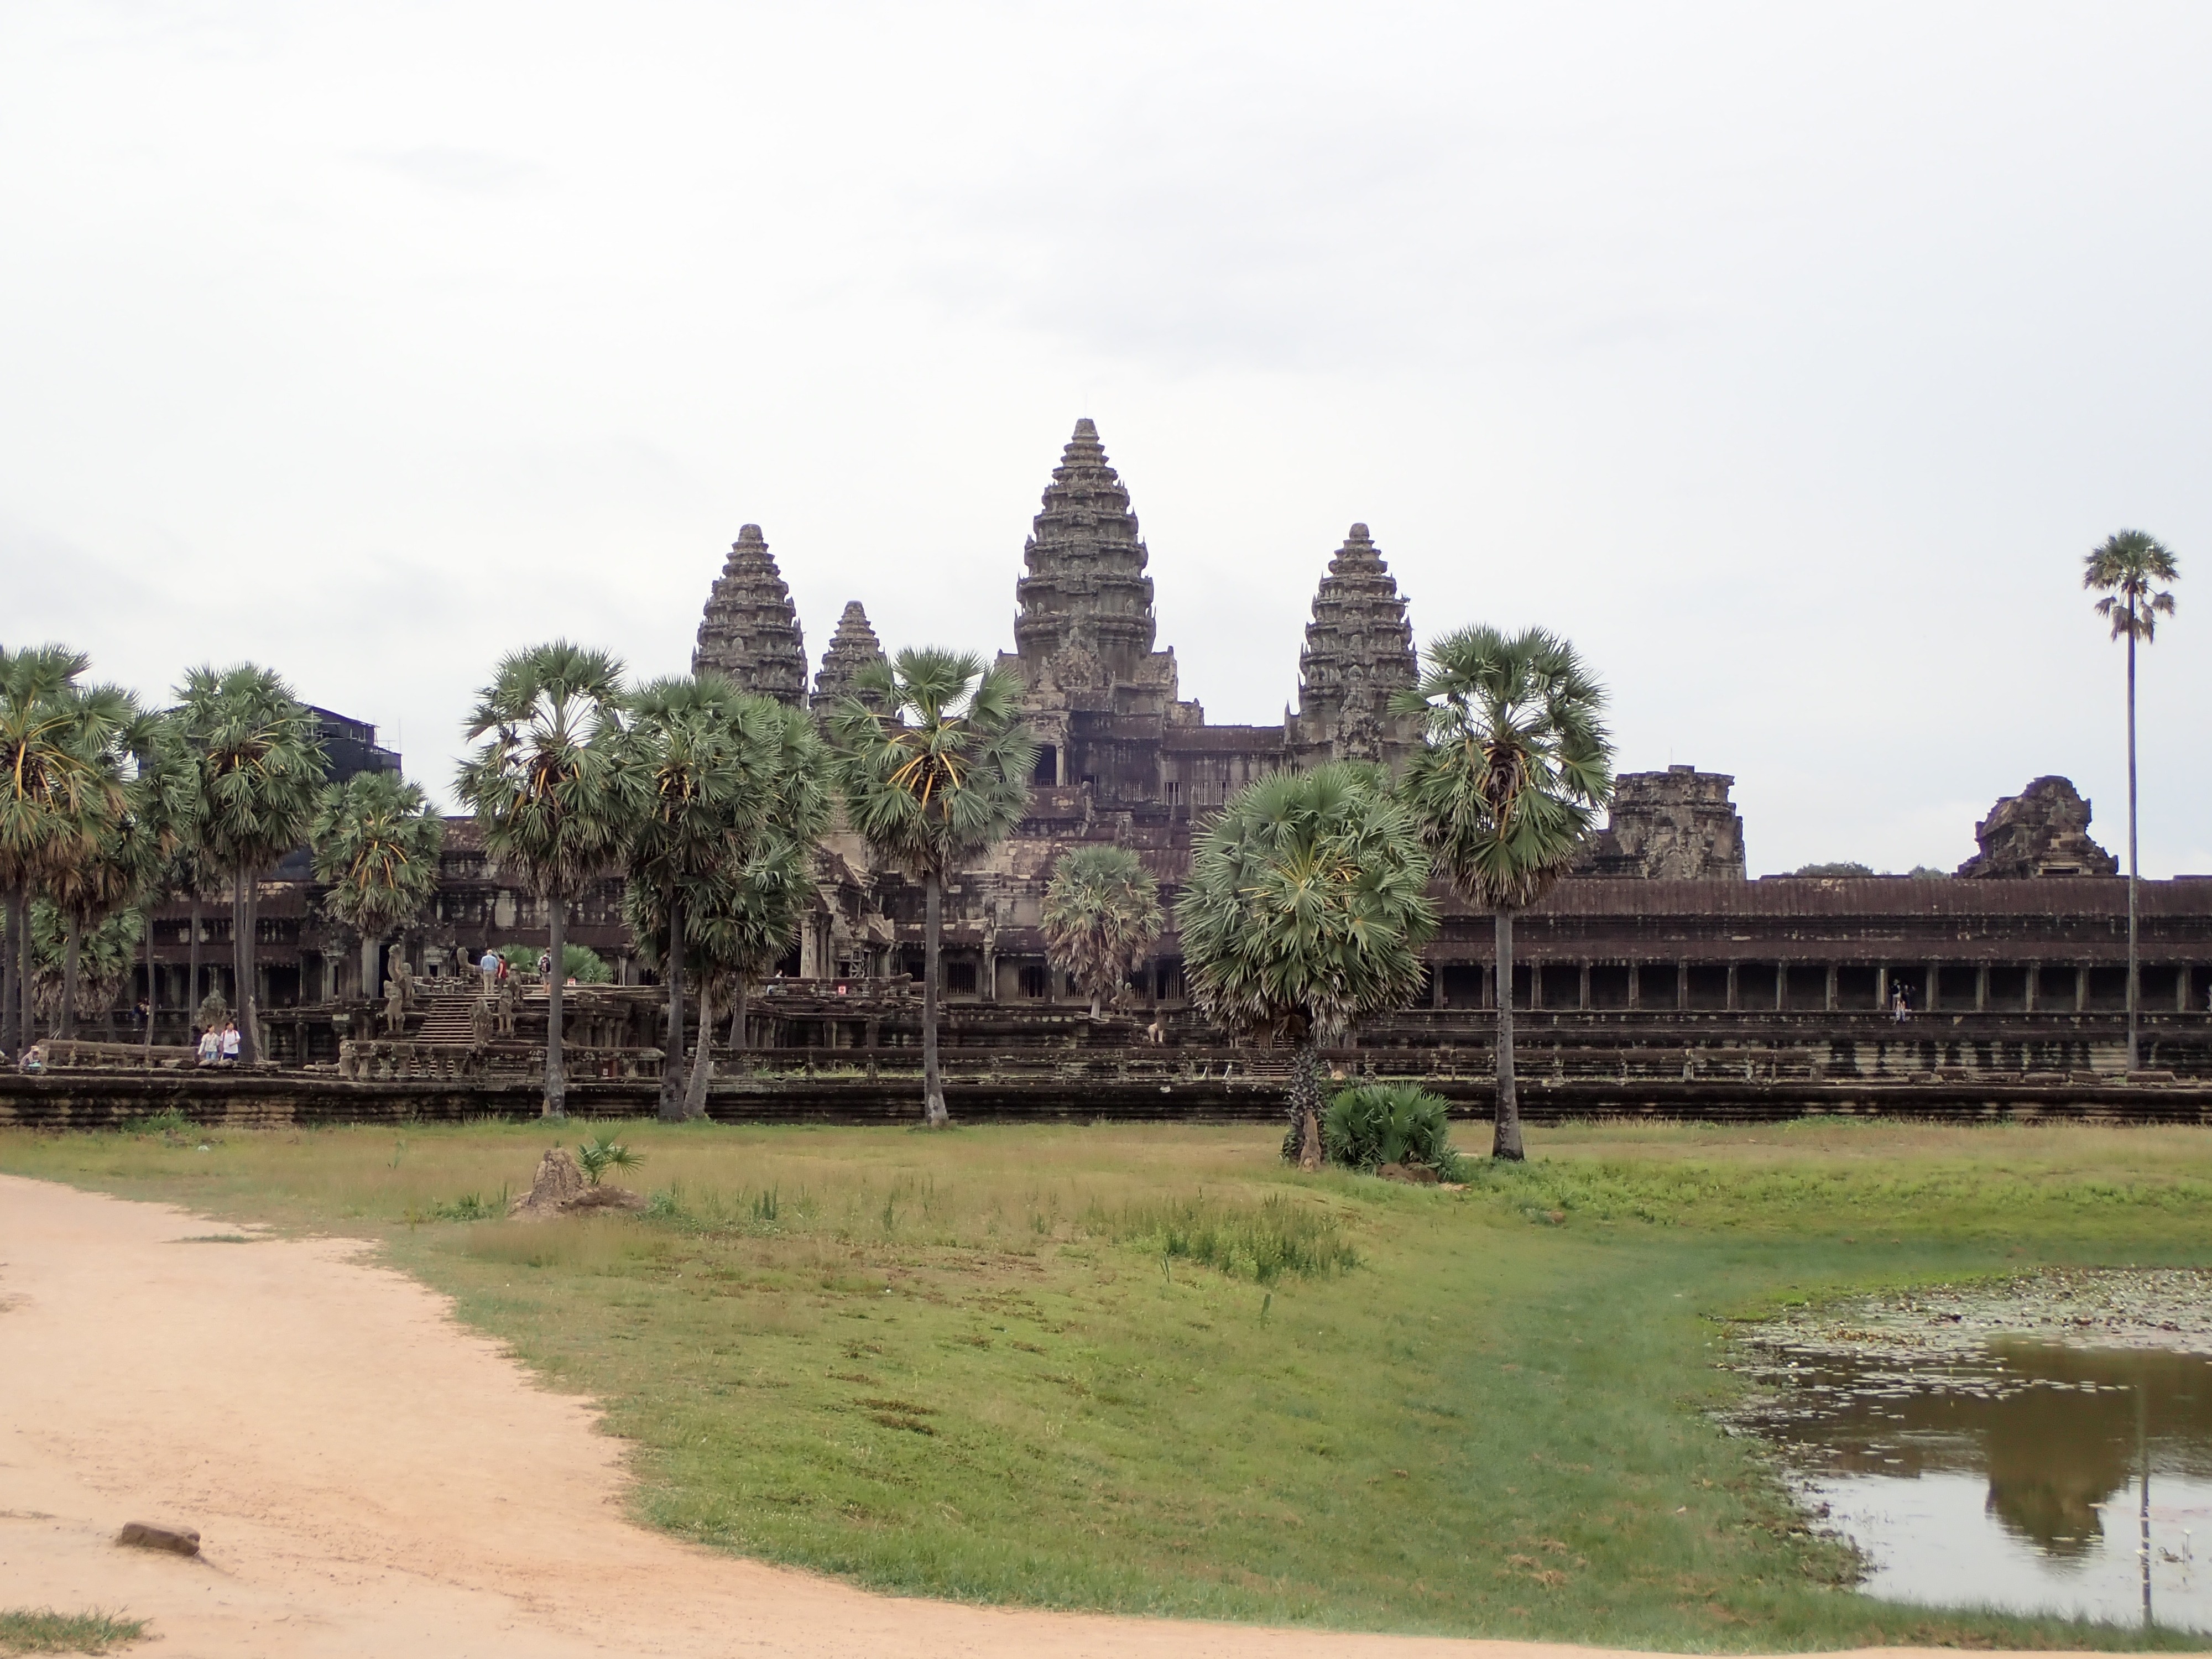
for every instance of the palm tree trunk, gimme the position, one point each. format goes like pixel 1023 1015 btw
pixel 153 993
pixel 2135 1056
pixel 25 962
pixel 703 1055
pixel 1305 1099
pixel 192 974
pixel 932 1085
pixel 72 946
pixel 671 1066
pixel 1505 1139
pixel 737 1032
pixel 249 992
pixel 10 1003
pixel 557 928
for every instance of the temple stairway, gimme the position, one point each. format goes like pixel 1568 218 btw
pixel 446 1015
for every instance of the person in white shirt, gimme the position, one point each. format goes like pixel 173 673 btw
pixel 230 1043
pixel 210 1046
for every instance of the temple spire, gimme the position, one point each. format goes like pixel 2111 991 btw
pixel 1085 584
pixel 852 647
pixel 1358 652
pixel 751 629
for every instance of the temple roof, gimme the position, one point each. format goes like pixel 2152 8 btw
pixel 1085 582
pixel 751 629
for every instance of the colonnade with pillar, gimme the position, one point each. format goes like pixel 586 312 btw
pixel 1685 984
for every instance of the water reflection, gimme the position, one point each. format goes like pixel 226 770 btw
pixel 2060 1444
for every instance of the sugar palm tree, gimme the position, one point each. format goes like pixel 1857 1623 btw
pixel 1305 913
pixel 2127 569
pixel 701 753
pixel 1102 915
pixel 376 841
pixel 104 875
pixel 1514 770
pixel 57 797
pixel 259 755
pixel 550 791
pixel 938 775
pixel 760 914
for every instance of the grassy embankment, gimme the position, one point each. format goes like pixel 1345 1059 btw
pixel 1151 1369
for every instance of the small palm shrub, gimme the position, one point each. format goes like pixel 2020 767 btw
pixel 603 1152
pixel 1378 1123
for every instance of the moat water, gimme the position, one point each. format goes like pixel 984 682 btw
pixel 1974 1466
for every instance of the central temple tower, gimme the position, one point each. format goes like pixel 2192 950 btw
pixel 1086 583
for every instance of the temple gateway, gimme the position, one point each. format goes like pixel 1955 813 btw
pixel 1660 916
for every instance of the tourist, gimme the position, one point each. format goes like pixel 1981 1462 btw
pixel 230 1043
pixel 34 1058
pixel 545 966
pixel 210 1046
pixel 492 969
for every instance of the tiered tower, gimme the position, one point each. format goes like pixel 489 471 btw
pixel 750 630
pixel 1086 587
pixel 852 647
pixel 1359 651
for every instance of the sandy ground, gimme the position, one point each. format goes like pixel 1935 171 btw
pixel 368 1477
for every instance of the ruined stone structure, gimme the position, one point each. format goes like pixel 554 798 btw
pixel 2043 830
pixel 1674 825
pixel 751 629
pixel 852 648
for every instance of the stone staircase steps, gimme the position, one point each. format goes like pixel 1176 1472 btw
pixel 445 1019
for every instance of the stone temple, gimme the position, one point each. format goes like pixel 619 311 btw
pixel 1660 920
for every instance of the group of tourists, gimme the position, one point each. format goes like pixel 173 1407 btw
pixel 218 1044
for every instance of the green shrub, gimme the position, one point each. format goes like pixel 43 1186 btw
pixel 1378 1123
pixel 586 965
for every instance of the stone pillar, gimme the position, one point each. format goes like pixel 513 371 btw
pixel 2034 984
pixel 2081 987
pixel 1781 986
pixel 1931 971
pixel 1435 985
pixel 1881 987
pixel 1982 988
pixel 1585 1003
pixel 2182 973
pixel 1536 985
pixel 1832 988
pixel 1635 985
pixel 1730 1001
pixel 1681 985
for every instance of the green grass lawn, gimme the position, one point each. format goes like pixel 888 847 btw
pixel 1152 1369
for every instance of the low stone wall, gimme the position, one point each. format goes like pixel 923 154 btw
pixel 110 1100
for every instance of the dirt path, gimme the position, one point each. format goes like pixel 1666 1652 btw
pixel 371 1479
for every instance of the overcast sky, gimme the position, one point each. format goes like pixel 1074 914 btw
pixel 1787 359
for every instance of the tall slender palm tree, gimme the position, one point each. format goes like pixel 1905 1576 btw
pixel 165 804
pixel 702 752
pixel 376 841
pixel 1515 768
pixel 940 774
pixel 58 796
pixel 2127 569
pixel 1305 913
pixel 259 754
pixel 1102 915
pixel 550 791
